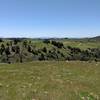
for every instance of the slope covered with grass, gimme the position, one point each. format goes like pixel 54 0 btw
pixel 50 81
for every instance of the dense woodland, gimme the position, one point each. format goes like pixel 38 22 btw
pixel 23 50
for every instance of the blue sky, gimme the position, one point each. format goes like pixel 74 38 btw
pixel 49 18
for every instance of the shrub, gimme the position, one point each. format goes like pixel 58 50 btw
pixel 7 51
pixel 57 44
pixel 2 49
pixel 17 50
pixel 44 49
pixel 46 41
pixel 25 43
pixel 29 49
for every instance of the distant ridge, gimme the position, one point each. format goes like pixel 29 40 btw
pixel 52 38
pixel 97 38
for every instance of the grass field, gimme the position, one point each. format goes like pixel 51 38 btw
pixel 50 81
pixel 83 44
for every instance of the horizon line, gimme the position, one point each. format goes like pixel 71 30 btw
pixel 46 37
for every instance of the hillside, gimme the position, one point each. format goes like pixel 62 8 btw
pixel 97 38
pixel 25 50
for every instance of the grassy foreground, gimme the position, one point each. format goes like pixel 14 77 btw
pixel 50 81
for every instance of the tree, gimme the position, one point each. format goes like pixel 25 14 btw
pixel 2 49
pixel 25 43
pixel 57 44
pixel 44 49
pixel 16 40
pixel 7 44
pixel 7 52
pixel 46 41
pixel 35 52
pixel 29 49
pixel 13 48
pixel 17 50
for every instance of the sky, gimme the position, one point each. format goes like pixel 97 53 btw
pixel 49 18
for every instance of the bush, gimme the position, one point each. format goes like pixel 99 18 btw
pixel 25 43
pixel 44 49
pixel 16 40
pixel 13 48
pixel 2 49
pixel 7 51
pixel 42 57
pixel 17 50
pixel 57 44
pixel 46 41
pixel 29 49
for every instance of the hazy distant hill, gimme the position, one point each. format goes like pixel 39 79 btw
pixel 97 38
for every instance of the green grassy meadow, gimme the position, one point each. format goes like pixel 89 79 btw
pixel 83 44
pixel 50 80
